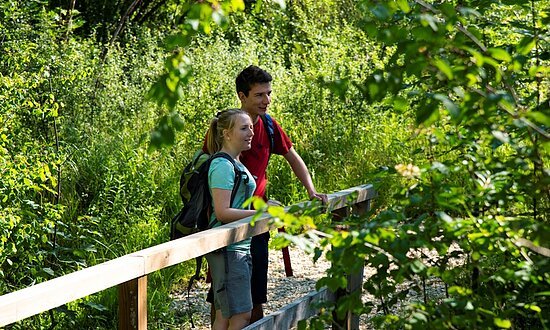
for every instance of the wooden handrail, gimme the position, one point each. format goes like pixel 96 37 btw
pixel 18 305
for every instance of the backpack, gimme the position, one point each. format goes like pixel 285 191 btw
pixel 197 202
pixel 195 195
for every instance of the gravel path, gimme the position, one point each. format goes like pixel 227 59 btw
pixel 283 290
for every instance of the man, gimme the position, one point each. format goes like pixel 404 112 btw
pixel 254 91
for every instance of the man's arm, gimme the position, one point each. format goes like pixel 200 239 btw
pixel 300 170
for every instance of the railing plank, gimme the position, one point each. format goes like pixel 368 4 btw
pixel 42 297
pixel 186 248
pixel 289 316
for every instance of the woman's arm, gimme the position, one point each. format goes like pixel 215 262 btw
pixel 224 212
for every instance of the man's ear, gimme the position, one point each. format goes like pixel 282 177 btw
pixel 241 96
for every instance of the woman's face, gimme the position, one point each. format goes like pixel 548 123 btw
pixel 240 136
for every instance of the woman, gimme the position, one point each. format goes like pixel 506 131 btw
pixel 230 132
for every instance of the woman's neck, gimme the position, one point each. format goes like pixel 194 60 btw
pixel 233 153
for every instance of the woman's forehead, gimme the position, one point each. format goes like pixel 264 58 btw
pixel 243 119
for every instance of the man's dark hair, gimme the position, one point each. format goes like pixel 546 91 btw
pixel 250 76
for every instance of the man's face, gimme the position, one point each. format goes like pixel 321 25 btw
pixel 258 99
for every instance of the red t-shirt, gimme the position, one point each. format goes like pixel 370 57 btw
pixel 257 157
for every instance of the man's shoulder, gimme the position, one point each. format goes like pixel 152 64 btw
pixel 276 124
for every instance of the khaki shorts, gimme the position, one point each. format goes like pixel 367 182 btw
pixel 232 287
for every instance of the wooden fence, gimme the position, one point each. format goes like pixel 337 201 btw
pixel 130 272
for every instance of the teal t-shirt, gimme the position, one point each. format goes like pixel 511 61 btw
pixel 221 175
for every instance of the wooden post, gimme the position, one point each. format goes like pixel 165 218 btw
pixel 286 257
pixel 338 215
pixel 355 283
pixel 355 280
pixel 132 304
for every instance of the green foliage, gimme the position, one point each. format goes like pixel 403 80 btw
pixel 444 108
pixel 78 172
pixel 472 213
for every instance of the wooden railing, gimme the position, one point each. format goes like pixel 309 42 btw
pixel 130 272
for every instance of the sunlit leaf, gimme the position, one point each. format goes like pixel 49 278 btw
pixel 444 216
pixel 444 67
pixel 400 104
pixel 500 54
pixel 501 136
pixel 404 5
pixel 534 308
pixel 429 20
pixel 503 323
pixel 526 44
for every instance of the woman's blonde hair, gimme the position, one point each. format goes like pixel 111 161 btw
pixel 224 120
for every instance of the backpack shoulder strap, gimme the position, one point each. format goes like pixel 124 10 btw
pixel 270 129
pixel 238 174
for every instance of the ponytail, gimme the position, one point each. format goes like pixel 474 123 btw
pixel 212 143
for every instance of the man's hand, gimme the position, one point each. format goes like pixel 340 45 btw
pixel 322 197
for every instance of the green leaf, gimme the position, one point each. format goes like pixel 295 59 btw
pixel 381 12
pixel 400 104
pixel 417 266
pixel 181 39
pixel 171 82
pixel 449 105
pixel 420 317
pixel 500 54
pixel 477 57
pixel 539 117
pixel 258 7
pixel 534 70
pixel 445 68
pixel 504 324
pixel 403 5
pixel 534 308
pixel 526 45
pixel 427 113
pixel 501 136
pixel 96 306
pixel 48 271
pixel 177 121
pixel 444 216
pixel 429 20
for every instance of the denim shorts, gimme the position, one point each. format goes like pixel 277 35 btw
pixel 231 286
